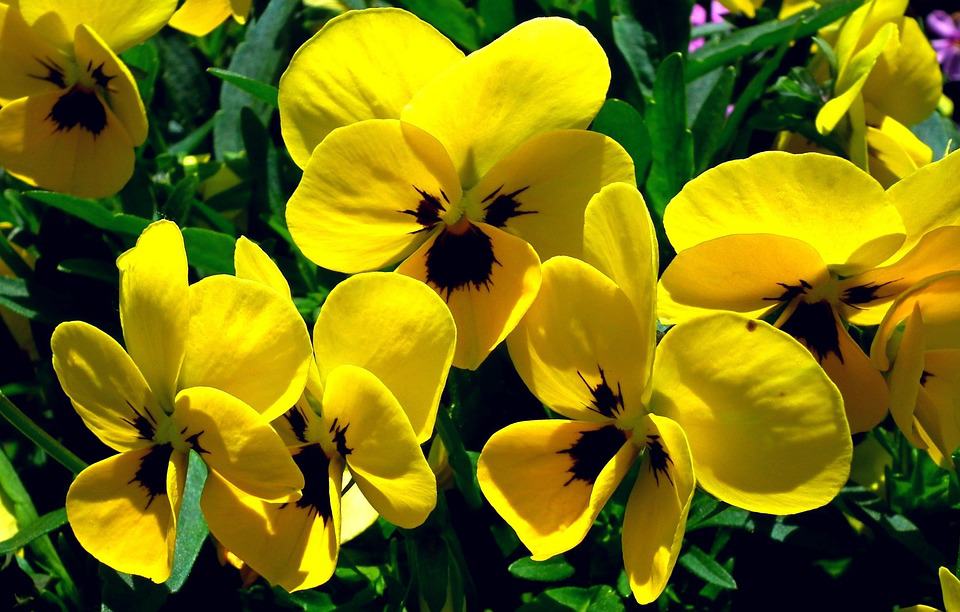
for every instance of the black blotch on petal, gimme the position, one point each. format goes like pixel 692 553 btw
pixel 504 206
pixel 54 73
pixel 152 473
pixel 460 259
pixel 814 325
pixel 143 422
pixel 604 401
pixel 790 291
pixel 315 466
pixel 79 107
pixel 592 451
pixel 428 211
pixel 340 437
pixel 924 376
pixel 101 79
pixel 863 294
pixel 659 459
pixel 298 423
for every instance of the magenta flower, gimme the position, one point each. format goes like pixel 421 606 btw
pixel 945 25
pixel 699 17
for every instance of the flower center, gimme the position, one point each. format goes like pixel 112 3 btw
pixel 81 104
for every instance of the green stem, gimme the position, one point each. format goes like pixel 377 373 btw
pixel 39 436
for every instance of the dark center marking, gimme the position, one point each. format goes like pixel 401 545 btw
pixel 815 326
pixel 340 437
pixel 315 466
pixel 298 423
pixel 428 211
pixel 79 107
pixel 194 441
pixel 459 259
pixel 503 206
pixel 605 401
pixel 152 473
pixel 101 79
pixel 54 73
pixel 143 422
pixel 924 376
pixel 592 451
pixel 790 291
pixel 863 294
pixel 659 460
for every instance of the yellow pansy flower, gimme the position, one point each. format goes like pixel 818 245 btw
pixel 71 113
pixel 467 170
pixel 949 588
pixel 200 17
pixel 745 7
pixel 728 402
pixel 924 377
pixel 206 367
pixel 814 242
pixel 383 345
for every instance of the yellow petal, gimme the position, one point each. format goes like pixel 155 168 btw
pixel 542 75
pixel 251 263
pixel 938 405
pixel 905 377
pixel 25 58
pixel 951 590
pixel 747 7
pixel 927 199
pixel 105 386
pixel 361 65
pixel 656 513
pixel 246 339
pixel 370 194
pixel 91 158
pixel 488 278
pixel 550 479
pixel 370 430
pixel 580 348
pixel 398 329
pixel 155 306
pixel 292 544
pixel 746 273
pixel 895 152
pixel 358 514
pixel 121 23
pixel 765 425
pixel 823 200
pixel 540 190
pixel 237 443
pixel 120 513
pixel 200 17
pixel 240 10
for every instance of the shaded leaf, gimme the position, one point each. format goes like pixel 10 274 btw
pixel 702 565
pixel 553 569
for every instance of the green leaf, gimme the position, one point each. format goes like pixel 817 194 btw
pixel 553 569
pixel 144 63
pixel 637 46
pixel 668 23
pixel 40 527
pixel 433 570
pixel 464 474
pixel 710 112
pixel 756 38
pixel 191 527
pixel 208 250
pixel 451 17
pixel 671 142
pixel 261 91
pixel 178 205
pixel 90 268
pixel 939 133
pixel 496 17
pixel 702 565
pixel 621 121
pixel 92 212
pixel 600 598
pixel 39 436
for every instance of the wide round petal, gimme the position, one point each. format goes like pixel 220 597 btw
pixel 122 522
pixel 155 306
pixel 251 263
pixel 823 200
pixel 766 426
pixel 74 160
pixel 105 386
pixel 248 340
pixel 927 199
pixel 938 405
pixel 550 479
pixel 381 449
pixel 580 349
pixel 200 17
pixel 906 376
pixel 26 59
pixel 288 544
pixel 544 74
pixel 121 23
pixel 746 273
pixel 486 303
pixel 398 329
pixel 656 513
pixel 237 443
pixel 895 152
pixel 361 65
pixel 369 195
pixel 540 190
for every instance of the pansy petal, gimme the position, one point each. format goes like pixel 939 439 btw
pixel 155 306
pixel 396 328
pixel 765 425
pixel 370 194
pixel 237 443
pixel 89 157
pixel 121 23
pixel 821 199
pixel 927 199
pixel 251 263
pixel 105 386
pixel 938 406
pixel 656 514
pixel 369 428
pixel 550 479
pixel 544 74
pixel 200 17
pixel 746 273
pixel 488 278
pixel 905 377
pixel 29 64
pixel 289 544
pixel 361 65
pixel 120 513
pixel 580 349
pixel 895 151
pixel 540 190
pixel 358 514
pixel 950 587
pixel 248 340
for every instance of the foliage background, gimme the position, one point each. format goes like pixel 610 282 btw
pixel 866 549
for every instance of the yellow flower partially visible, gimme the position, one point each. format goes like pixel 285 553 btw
pixel 725 401
pixel 200 17
pixel 383 345
pixel 72 114
pixel 745 7
pixel 950 590
pixel 206 367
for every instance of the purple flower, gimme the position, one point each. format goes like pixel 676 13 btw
pixel 948 47
pixel 699 17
